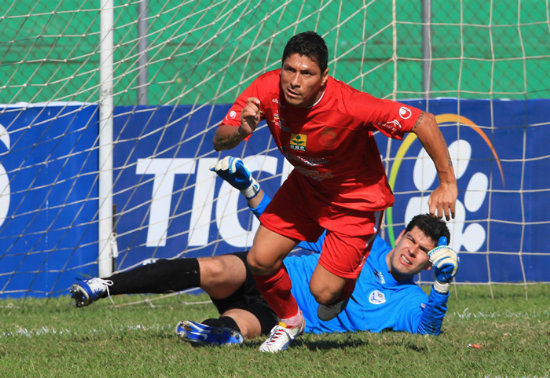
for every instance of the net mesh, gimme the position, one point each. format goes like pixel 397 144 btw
pixel 196 57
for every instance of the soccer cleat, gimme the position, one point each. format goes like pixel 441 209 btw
pixel 87 291
pixel 202 334
pixel 281 336
pixel 327 312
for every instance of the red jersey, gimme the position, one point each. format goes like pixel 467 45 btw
pixel 331 143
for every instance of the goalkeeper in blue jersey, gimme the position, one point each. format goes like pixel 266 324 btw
pixel 385 296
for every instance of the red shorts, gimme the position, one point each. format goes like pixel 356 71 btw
pixel 294 212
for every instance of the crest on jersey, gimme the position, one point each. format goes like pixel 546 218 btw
pixel 298 142
pixel 377 297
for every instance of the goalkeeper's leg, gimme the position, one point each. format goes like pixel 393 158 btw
pixel 244 313
pixel 160 276
pixel 219 276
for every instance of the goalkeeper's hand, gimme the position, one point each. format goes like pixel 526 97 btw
pixel 234 171
pixel 445 261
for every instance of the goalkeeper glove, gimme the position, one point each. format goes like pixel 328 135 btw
pixel 234 171
pixel 445 261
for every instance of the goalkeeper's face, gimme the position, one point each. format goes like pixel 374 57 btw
pixel 410 254
pixel 302 82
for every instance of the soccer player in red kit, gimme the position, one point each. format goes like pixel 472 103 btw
pixel 324 128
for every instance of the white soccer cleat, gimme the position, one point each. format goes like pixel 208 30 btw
pixel 327 312
pixel 281 336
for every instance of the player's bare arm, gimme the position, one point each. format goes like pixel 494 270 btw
pixel 228 137
pixel 443 198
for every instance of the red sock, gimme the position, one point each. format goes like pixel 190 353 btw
pixel 275 288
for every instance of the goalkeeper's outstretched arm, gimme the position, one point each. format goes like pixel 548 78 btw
pixel 236 173
pixel 432 316
pixel 445 262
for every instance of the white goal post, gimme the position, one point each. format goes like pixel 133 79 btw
pixel 106 238
pixel 109 108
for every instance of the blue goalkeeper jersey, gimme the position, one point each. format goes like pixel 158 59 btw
pixel 378 303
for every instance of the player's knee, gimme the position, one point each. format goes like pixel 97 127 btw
pixel 325 295
pixel 325 287
pixel 220 269
pixel 211 267
pixel 260 266
pixel 248 329
pixel 247 323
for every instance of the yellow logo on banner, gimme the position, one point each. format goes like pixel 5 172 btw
pixel 298 142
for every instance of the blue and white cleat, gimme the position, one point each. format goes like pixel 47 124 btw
pixel 202 334
pixel 87 291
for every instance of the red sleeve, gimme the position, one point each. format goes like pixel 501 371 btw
pixel 391 118
pixel 233 116
pixel 395 119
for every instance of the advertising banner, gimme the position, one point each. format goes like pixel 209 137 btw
pixel 168 203
pixel 497 148
pixel 48 196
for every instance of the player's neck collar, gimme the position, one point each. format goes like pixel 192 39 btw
pixel 319 100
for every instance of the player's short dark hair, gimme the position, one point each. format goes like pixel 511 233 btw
pixel 433 227
pixel 308 44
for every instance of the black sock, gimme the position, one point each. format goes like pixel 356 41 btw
pixel 162 276
pixel 222 321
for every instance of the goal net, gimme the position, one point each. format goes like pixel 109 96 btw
pixel 109 108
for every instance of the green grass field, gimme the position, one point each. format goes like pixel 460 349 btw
pixel 41 337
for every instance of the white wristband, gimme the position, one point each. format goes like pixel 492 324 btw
pixel 252 190
pixel 441 287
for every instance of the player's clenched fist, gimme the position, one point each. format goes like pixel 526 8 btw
pixel 250 116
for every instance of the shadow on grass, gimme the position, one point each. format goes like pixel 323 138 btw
pixel 324 344
pixel 316 344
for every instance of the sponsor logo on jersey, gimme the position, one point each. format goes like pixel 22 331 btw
pixel 393 125
pixel 379 276
pixel 307 160
pixel 390 126
pixel 405 112
pixel 377 297
pixel 314 175
pixel 298 142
